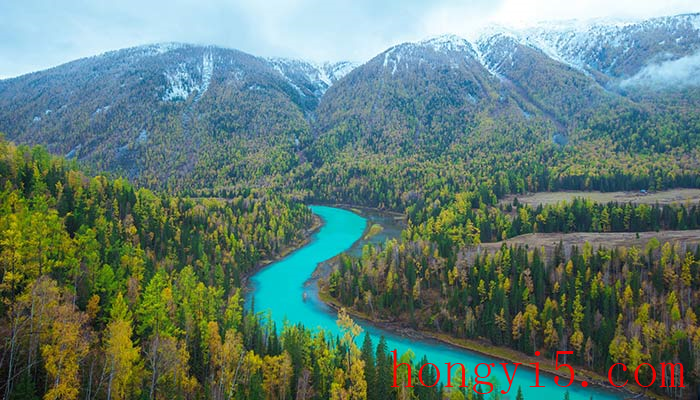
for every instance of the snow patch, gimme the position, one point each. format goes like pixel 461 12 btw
pixel 181 83
pixel 497 52
pixel 445 43
pixel 289 80
pixel 342 68
pixel 320 73
pixel 330 73
pixel 389 58
pixel 556 48
pixel 488 46
pixel 387 54
pixel 318 76
pixel 162 48
pixel 207 72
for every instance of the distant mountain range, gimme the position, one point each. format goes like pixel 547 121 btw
pixel 170 115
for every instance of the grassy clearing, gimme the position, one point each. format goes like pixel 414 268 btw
pixel 662 197
pixel 689 238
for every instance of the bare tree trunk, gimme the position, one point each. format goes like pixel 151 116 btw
pixel 13 335
pixel 109 382
pixel 11 365
pixel 154 366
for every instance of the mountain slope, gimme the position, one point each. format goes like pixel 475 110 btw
pixel 572 81
pixel 311 79
pixel 166 114
pixel 616 49
pixel 182 116
pixel 413 97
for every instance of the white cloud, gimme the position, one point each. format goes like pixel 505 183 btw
pixel 528 11
pixel 465 19
pixel 684 71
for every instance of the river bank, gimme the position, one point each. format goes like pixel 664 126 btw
pixel 489 351
pixel 284 292
pixel 286 250
pixel 317 286
pixel 391 223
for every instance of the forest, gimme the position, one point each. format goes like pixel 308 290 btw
pixel 145 287
pixel 626 304
pixel 113 292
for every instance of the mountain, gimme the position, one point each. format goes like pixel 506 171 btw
pixel 412 95
pixel 542 83
pixel 562 82
pixel 618 50
pixel 311 79
pixel 183 116
pixel 170 114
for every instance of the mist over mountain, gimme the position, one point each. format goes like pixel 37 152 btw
pixel 169 115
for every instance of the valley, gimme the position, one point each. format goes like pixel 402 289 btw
pixel 288 279
pixel 167 227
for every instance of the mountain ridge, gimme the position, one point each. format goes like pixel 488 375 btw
pixel 174 114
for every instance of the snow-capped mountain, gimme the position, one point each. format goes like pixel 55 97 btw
pixel 559 77
pixel 609 50
pixel 618 49
pixel 164 113
pixel 131 109
pixel 432 51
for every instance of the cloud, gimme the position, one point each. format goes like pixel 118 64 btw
pixel 681 72
pixel 36 34
pixel 526 11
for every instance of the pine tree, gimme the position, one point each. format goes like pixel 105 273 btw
pixel 370 371
pixel 384 371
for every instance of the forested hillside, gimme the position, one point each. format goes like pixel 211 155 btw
pixel 170 116
pixel 567 106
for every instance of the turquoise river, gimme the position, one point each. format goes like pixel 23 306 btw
pixel 281 286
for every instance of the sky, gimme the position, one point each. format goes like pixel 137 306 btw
pixel 38 34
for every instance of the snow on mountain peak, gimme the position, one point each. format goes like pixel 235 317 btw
pixel 448 42
pixel 331 72
pixel 160 48
pixel 319 76
pixel 606 45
